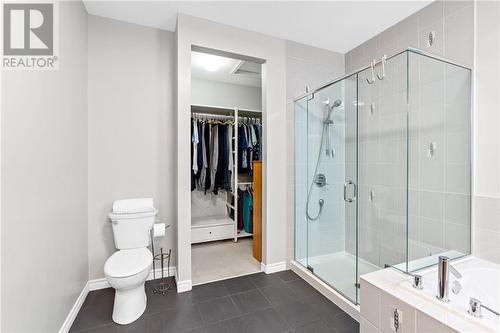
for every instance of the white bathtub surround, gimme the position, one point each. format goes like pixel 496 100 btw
pixel 419 311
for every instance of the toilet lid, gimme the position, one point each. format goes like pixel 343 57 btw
pixel 128 262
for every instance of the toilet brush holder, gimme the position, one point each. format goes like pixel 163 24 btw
pixel 163 283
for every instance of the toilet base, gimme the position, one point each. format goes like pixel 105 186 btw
pixel 129 304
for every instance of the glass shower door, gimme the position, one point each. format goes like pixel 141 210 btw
pixel 331 185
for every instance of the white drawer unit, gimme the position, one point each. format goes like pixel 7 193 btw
pixel 212 229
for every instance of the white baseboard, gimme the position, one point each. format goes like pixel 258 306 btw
pixel 97 284
pixel 102 283
pixel 273 268
pixel 182 286
pixel 74 310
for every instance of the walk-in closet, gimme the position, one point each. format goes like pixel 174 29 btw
pixel 226 167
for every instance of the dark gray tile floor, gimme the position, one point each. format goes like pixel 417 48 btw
pixel 260 303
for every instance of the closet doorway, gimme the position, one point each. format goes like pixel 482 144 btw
pixel 226 167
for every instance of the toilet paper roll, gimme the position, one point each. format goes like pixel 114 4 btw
pixel 159 230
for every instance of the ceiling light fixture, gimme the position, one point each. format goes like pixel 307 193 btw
pixel 211 62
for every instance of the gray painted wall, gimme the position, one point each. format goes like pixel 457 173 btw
pixel 44 184
pixel 131 127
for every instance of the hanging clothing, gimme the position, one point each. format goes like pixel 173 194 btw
pixel 240 209
pixel 247 212
pixel 199 148
pixel 257 146
pixel 227 152
pixel 194 140
pixel 242 147
pixel 193 186
pixel 219 172
pixel 212 155
pixel 208 153
pixel 204 165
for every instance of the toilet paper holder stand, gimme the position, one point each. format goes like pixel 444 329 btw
pixel 163 283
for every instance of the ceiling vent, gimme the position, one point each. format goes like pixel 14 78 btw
pixel 247 68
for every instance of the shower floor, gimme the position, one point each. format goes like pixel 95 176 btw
pixel 339 271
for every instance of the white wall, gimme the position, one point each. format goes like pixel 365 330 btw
pixel 194 31
pixel 205 92
pixel 486 230
pixel 131 127
pixel 44 184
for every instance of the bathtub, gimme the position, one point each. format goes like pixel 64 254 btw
pixel 480 279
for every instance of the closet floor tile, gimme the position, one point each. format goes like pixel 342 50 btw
pixel 219 260
pixel 258 303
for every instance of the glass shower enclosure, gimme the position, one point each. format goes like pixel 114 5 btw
pixel 383 169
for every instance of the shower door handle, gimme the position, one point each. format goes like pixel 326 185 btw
pixel 346 199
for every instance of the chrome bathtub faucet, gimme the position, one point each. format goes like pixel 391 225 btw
pixel 444 269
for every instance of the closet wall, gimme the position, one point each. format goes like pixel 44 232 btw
pixel 205 92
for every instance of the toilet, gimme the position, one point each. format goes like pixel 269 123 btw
pixel 128 268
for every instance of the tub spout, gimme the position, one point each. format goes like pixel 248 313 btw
pixel 444 269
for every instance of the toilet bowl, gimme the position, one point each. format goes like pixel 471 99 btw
pixel 128 268
pixel 127 271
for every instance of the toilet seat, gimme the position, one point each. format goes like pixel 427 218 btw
pixel 124 263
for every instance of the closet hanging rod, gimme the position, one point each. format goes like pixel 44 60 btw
pixel 210 115
pixel 219 116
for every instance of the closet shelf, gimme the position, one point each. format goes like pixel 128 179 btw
pixel 206 221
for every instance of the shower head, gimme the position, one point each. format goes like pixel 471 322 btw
pixel 336 104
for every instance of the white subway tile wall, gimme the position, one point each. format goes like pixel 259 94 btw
pixel 451 21
pixel 438 120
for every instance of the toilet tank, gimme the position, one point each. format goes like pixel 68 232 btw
pixel 132 231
